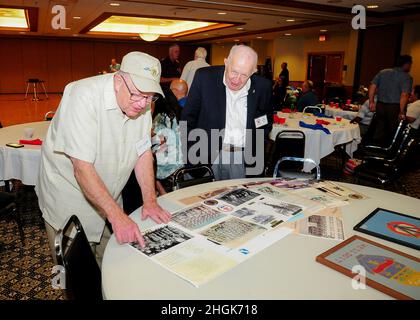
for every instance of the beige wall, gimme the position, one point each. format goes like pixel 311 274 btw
pixel 220 51
pixel 294 50
pixel 411 46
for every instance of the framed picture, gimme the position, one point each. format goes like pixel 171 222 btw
pixel 392 226
pixel 388 270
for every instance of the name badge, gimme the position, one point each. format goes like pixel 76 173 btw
pixel 261 121
pixel 143 145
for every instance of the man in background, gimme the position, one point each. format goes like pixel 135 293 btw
pixel 171 69
pixel 231 97
pixel 364 117
pixel 413 109
pixel 308 97
pixel 393 88
pixel 114 66
pixel 192 66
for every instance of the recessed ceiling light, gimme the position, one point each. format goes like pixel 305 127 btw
pixel 114 4
pixel 22 32
pixel 287 34
pixel 77 18
pixel 290 20
pixel 236 40
pixel 323 30
pixel 372 6
pixel 75 35
pixel 259 37
pixel 221 13
pixel 206 34
pixel 240 28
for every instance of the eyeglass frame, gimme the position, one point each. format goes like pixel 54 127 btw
pixel 149 99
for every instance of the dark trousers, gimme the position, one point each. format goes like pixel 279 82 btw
pixel 386 122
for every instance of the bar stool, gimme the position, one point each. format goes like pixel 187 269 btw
pixel 35 82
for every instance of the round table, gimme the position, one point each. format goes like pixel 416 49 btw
pixel 285 270
pixel 337 112
pixel 21 163
pixel 318 144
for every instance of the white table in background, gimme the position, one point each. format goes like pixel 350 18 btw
pixel 21 163
pixel 336 112
pixel 285 270
pixel 318 144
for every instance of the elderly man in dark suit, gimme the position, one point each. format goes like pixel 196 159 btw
pixel 232 107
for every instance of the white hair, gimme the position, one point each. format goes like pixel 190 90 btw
pixel 201 53
pixel 244 50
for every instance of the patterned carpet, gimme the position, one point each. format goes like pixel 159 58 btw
pixel 25 271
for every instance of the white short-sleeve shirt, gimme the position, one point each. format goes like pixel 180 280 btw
pixel 90 126
pixel 413 111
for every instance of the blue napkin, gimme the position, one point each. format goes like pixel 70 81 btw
pixel 321 115
pixel 314 127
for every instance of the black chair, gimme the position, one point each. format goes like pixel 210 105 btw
pixel 192 175
pixel 82 273
pixel 312 109
pixel 288 143
pixel 35 82
pixel 8 211
pixel 386 171
pixel 296 174
pixel 49 115
pixel 369 149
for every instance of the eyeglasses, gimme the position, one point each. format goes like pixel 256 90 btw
pixel 139 97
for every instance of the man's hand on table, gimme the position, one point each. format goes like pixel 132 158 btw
pixel 125 229
pixel 154 211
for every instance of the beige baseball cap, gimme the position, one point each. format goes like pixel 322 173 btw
pixel 144 71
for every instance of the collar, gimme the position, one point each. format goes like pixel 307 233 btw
pixel 110 98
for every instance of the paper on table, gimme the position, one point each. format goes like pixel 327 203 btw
pixel 340 192
pixel 203 196
pixel 319 196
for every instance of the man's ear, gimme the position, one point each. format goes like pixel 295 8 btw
pixel 225 61
pixel 117 82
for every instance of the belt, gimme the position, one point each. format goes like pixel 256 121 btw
pixel 231 148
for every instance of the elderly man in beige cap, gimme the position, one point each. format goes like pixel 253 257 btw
pixel 100 133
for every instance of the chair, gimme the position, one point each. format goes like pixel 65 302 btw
pixel 288 143
pixel 199 173
pixel 49 115
pixel 379 151
pixel 297 174
pixel 8 210
pixel 81 271
pixel 312 109
pixel 35 82
pixel 385 171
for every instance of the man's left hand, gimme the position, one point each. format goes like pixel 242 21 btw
pixel 155 212
pixel 402 116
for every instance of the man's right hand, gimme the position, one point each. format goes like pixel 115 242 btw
pixel 126 230
pixel 372 106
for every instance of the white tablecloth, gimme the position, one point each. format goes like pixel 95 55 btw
pixel 318 144
pixel 350 115
pixel 285 270
pixel 21 163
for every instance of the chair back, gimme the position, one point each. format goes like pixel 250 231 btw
pixel 198 174
pixel 312 109
pixel 82 273
pixel 49 115
pixel 297 174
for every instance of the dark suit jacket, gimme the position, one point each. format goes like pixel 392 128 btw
pixel 206 104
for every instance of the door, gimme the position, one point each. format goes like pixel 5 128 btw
pixel 316 72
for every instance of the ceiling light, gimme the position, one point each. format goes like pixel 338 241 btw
pixel 287 34
pixel 221 13
pixel 372 6
pixel 236 40
pixel 240 28
pixel 259 37
pixel 13 18
pixel 323 30
pixel 114 4
pixel 290 20
pixel 206 34
pixel 149 36
pixel 77 18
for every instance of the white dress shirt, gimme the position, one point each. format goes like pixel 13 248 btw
pixel 236 115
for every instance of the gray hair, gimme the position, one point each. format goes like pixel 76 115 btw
pixel 245 51
pixel 201 53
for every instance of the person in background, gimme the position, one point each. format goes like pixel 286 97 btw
pixel 100 133
pixel 364 117
pixel 308 97
pixel 192 66
pixel 393 88
pixel 413 109
pixel 231 97
pixel 114 66
pixel 284 75
pixel 171 69
pixel 180 89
